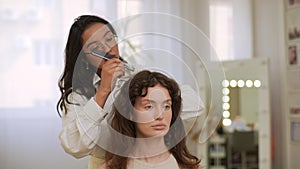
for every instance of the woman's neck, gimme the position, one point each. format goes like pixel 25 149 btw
pixel 151 150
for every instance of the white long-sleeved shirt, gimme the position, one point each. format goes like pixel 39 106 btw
pixel 80 130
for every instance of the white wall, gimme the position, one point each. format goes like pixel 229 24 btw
pixel 269 42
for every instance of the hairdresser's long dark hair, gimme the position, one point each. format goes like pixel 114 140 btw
pixel 76 76
pixel 122 109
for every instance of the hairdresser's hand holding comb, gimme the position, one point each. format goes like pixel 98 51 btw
pixel 111 70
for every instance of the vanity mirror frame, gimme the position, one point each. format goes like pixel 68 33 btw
pixel 256 69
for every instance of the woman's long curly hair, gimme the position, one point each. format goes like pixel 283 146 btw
pixel 76 76
pixel 121 123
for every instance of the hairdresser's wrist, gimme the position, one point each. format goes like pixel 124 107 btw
pixel 101 96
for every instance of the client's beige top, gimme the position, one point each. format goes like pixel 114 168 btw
pixel 168 163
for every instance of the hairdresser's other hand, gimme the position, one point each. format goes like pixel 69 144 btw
pixel 111 70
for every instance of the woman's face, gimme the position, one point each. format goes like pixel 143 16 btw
pixel 153 112
pixel 98 37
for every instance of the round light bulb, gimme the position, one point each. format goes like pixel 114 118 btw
pixel 226 122
pixel 226 99
pixel 257 83
pixel 241 83
pixel 249 83
pixel 226 114
pixel 225 91
pixel 233 83
pixel 226 106
pixel 225 83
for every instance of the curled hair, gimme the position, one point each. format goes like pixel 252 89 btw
pixel 121 122
pixel 75 77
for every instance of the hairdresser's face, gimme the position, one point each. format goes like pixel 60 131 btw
pixel 98 37
pixel 153 112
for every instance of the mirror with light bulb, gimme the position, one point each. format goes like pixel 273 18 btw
pixel 240 101
pixel 246 116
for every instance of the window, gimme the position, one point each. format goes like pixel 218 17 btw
pixel 231 28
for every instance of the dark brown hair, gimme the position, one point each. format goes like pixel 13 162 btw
pixel 75 76
pixel 123 108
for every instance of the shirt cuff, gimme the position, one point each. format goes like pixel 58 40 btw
pixel 93 110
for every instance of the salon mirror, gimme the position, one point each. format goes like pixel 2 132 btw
pixel 246 109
